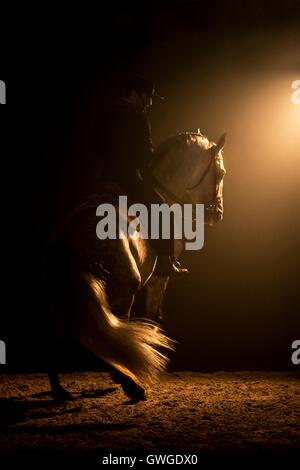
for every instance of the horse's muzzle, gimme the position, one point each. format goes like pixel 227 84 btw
pixel 213 213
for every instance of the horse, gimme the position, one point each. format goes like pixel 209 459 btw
pixel 91 284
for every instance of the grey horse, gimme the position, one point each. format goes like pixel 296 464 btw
pixel 91 284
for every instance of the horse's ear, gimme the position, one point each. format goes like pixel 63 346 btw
pixel 221 143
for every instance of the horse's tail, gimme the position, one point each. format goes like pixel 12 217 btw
pixel 132 347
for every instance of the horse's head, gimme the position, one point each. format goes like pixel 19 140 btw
pixel 190 168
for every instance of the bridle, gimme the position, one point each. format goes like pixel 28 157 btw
pixel 211 207
pixel 212 158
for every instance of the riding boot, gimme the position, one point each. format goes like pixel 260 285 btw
pixel 167 266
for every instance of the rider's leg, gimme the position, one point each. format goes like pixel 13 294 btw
pixel 167 265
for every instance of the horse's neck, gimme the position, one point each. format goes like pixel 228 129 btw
pixel 171 185
pixel 166 195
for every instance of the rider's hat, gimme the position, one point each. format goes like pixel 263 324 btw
pixel 142 85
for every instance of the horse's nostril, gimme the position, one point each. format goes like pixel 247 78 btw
pixel 218 215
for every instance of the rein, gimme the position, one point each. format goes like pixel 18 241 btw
pixel 155 184
pixel 203 175
pixel 169 193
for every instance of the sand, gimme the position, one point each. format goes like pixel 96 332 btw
pixel 223 414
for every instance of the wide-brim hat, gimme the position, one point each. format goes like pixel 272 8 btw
pixel 143 85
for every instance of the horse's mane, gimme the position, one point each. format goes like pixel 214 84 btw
pixel 184 139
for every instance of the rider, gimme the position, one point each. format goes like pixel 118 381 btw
pixel 129 152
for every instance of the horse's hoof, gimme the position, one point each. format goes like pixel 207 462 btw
pixel 134 391
pixel 60 395
pixel 116 376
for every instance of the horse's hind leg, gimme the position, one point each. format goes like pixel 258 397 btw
pixel 97 332
pixel 53 352
pixel 134 391
pixel 58 393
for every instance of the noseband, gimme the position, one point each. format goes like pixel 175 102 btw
pixel 212 206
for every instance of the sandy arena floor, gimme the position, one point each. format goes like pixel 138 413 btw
pixel 242 413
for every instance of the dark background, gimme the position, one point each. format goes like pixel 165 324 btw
pixel 222 66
